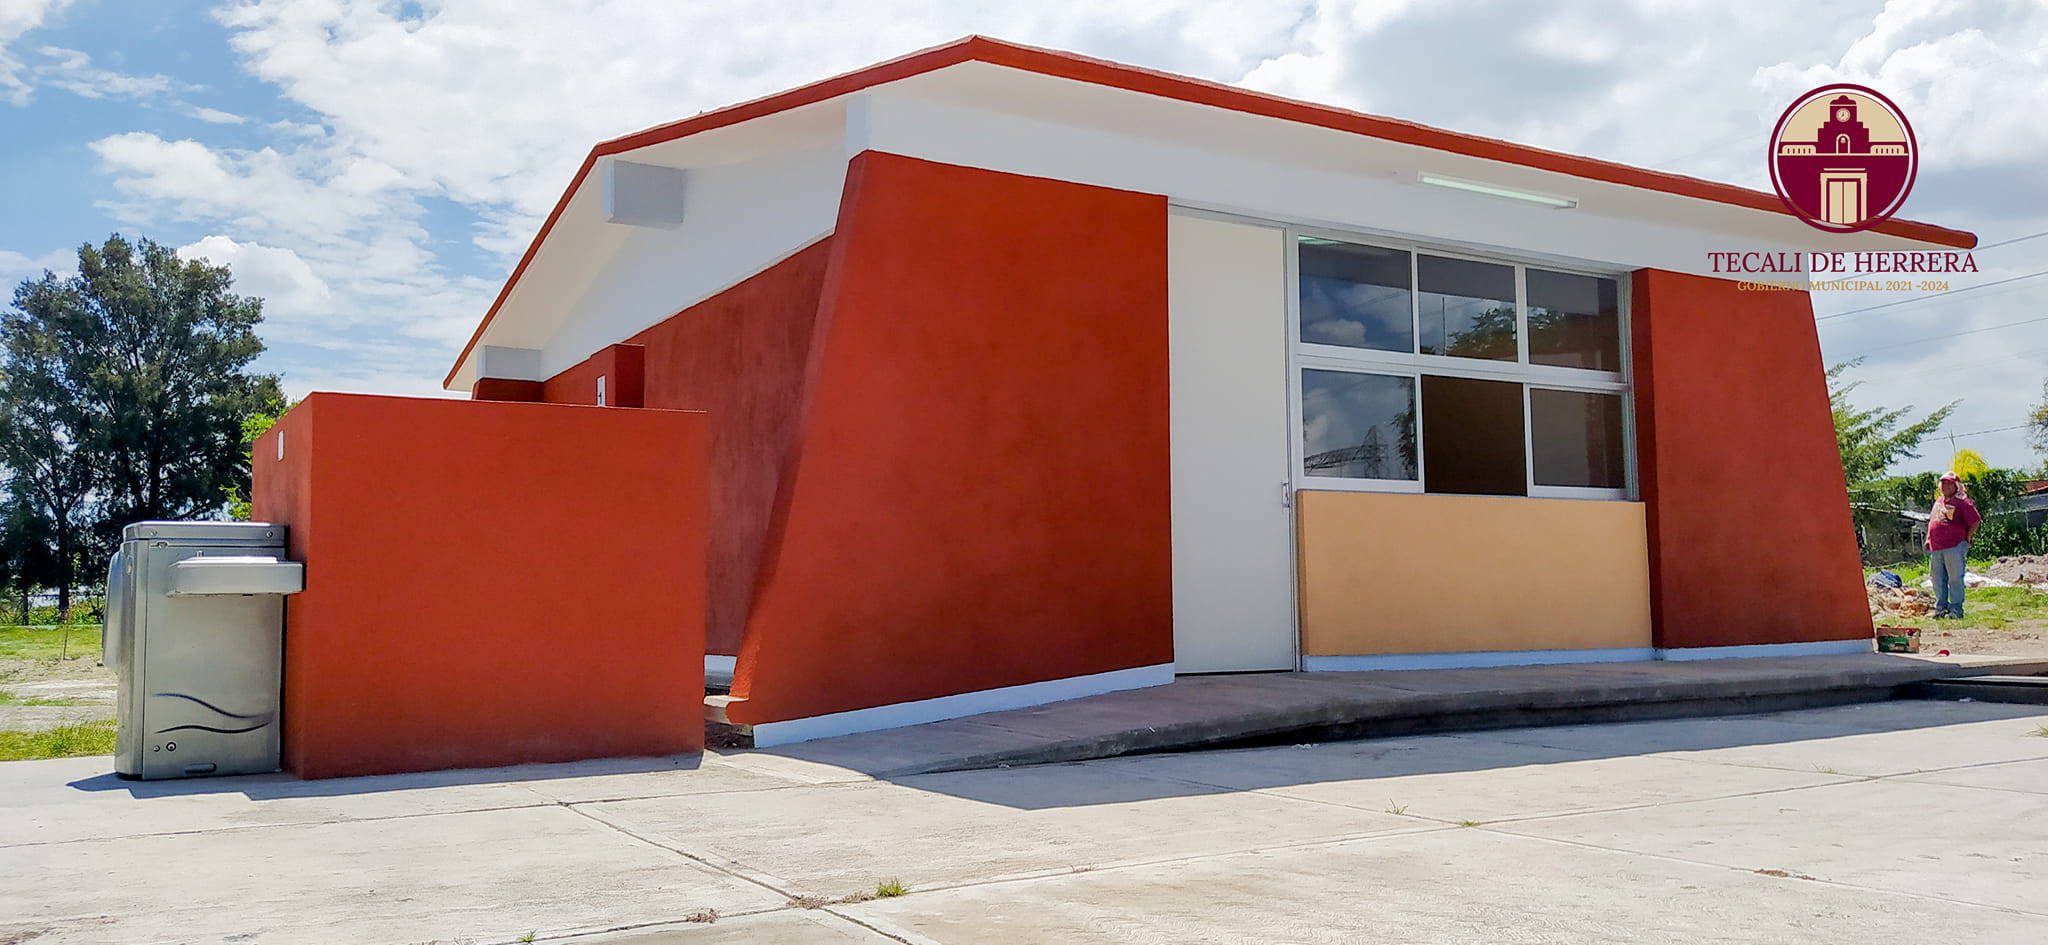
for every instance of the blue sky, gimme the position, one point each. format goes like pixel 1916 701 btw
pixel 374 169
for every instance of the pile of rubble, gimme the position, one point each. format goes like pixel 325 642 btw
pixel 2020 569
pixel 1897 603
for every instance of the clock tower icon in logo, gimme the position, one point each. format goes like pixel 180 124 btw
pixel 1843 158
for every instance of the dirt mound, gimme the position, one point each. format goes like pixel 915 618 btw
pixel 2021 569
pixel 1897 602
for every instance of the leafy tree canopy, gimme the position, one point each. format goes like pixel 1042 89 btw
pixel 1872 440
pixel 125 389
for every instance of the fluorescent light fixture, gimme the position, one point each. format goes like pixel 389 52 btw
pixel 1561 203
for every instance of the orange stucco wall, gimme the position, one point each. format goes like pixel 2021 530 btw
pixel 979 498
pixel 1748 515
pixel 487 583
pixel 1386 573
pixel 741 356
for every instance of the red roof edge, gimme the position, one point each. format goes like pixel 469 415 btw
pixel 1103 72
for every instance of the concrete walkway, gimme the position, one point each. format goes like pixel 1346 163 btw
pixel 1205 711
pixel 1894 822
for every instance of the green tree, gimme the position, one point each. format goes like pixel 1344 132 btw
pixel 43 437
pixel 258 423
pixel 2037 423
pixel 27 561
pixel 138 365
pixel 1872 440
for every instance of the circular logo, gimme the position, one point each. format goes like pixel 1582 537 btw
pixel 1843 158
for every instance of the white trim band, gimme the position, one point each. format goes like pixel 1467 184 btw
pixel 1352 664
pixel 768 734
pixel 1752 651
pixel 720 664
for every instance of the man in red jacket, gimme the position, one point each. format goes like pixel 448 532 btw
pixel 1950 526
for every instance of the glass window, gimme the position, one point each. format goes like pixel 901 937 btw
pixel 1576 438
pixel 1574 321
pixel 1358 426
pixel 1466 308
pixel 1355 296
pixel 1472 436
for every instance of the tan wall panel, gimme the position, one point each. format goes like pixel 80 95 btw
pixel 1390 573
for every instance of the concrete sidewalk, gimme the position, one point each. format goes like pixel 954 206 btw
pixel 1207 711
pixel 1894 822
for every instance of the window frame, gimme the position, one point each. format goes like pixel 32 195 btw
pixel 1413 365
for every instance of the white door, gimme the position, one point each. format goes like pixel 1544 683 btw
pixel 1233 538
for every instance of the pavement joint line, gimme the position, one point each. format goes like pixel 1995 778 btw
pixel 892 936
pixel 1709 864
pixel 675 794
pixel 1114 865
pixel 238 828
pixel 1676 802
pixel 765 880
pixel 905 936
pixel 658 923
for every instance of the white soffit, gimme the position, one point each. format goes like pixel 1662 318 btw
pixel 1036 97
pixel 581 244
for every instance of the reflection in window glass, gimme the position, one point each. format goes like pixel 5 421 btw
pixel 1472 436
pixel 1355 296
pixel 1574 321
pixel 1358 426
pixel 1467 309
pixel 1576 438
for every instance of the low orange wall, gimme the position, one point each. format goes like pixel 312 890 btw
pixel 487 583
pixel 1396 573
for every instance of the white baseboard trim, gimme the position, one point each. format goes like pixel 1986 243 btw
pixel 1753 651
pixel 1353 664
pixel 720 664
pixel 769 734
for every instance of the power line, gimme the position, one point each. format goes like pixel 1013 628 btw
pixel 1967 288
pixel 2016 239
pixel 2016 426
pixel 1953 334
pixel 1952 364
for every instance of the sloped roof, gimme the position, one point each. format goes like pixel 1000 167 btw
pixel 1066 65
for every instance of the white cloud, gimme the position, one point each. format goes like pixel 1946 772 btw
pixel 17 18
pixel 16 267
pixel 1965 74
pixel 288 287
pixel 213 116
pixel 488 111
pixel 73 71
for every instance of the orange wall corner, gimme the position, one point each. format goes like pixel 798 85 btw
pixel 487 583
pixel 1748 515
pixel 978 493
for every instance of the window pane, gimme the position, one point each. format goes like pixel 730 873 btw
pixel 1574 321
pixel 1576 438
pixel 1356 296
pixel 1467 308
pixel 1358 426
pixel 1472 436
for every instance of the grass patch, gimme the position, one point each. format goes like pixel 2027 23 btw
pixel 48 643
pixel 1991 608
pixel 64 741
pixel 1396 809
pixel 8 698
pixel 1471 823
pixel 890 889
pixel 2041 732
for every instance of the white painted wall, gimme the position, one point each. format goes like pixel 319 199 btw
pixel 1295 173
pixel 1233 538
pixel 737 220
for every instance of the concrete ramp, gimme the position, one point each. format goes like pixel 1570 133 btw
pixel 1198 712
